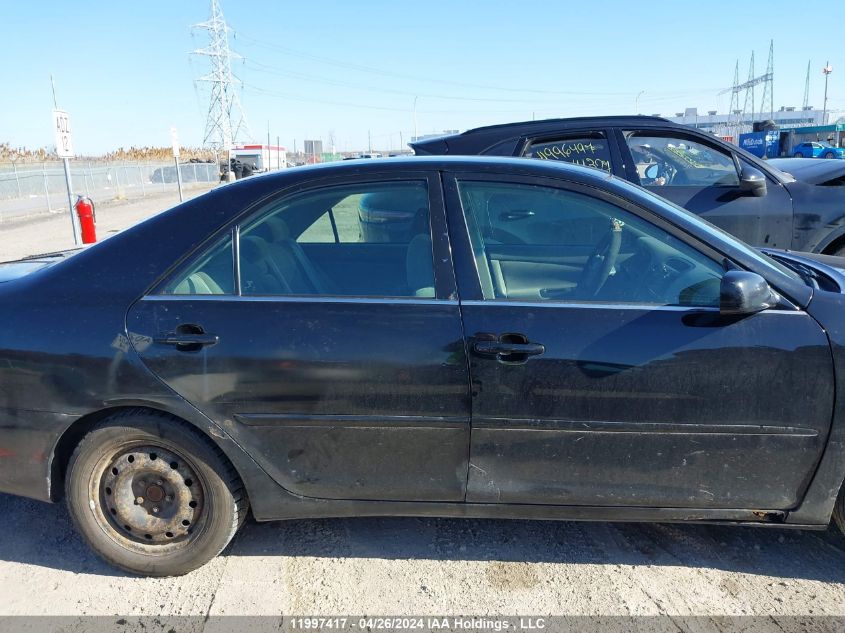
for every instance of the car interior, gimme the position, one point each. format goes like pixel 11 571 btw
pixel 530 243
pixel 343 242
pixel 536 243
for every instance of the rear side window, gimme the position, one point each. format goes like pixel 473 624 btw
pixel 212 273
pixel 589 150
pixel 366 240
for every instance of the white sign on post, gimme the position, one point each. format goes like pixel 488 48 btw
pixel 174 140
pixel 61 126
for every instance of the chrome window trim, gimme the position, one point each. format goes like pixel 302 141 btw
pixel 608 306
pixel 302 299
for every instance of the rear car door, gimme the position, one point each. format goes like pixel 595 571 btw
pixel 703 177
pixel 602 372
pixel 322 331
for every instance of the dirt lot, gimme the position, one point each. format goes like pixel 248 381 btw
pixel 423 566
pixel 436 566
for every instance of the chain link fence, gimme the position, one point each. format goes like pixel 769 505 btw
pixel 34 188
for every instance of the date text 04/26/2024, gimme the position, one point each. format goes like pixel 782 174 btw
pixel 428 623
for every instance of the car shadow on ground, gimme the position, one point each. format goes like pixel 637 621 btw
pixel 41 534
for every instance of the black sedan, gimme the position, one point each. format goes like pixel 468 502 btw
pixel 526 339
pixel 717 180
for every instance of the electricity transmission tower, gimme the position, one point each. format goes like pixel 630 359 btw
pixel 769 83
pixel 225 122
pixel 766 79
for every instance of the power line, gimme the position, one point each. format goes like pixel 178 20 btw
pixel 386 73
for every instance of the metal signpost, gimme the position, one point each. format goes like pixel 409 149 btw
pixel 174 140
pixel 64 149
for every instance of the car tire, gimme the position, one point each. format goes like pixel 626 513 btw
pixel 153 496
pixel 798 155
pixel 828 155
pixel 839 510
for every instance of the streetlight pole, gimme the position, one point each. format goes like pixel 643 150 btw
pixel 637 101
pixel 826 70
pixel 415 117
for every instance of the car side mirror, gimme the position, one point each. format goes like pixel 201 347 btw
pixel 652 171
pixel 743 292
pixel 752 180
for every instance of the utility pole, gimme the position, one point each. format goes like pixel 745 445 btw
pixel 826 70
pixel 225 121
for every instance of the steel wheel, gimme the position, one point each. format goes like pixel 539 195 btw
pixel 152 495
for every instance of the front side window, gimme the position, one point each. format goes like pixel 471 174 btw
pixel 669 161
pixel 537 243
pixel 587 149
pixel 370 240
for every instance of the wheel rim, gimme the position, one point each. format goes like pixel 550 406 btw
pixel 150 496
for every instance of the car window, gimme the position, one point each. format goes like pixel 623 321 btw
pixel 676 161
pixel 211 273
pixel 369 240
pixel 590 150
pixel 536 243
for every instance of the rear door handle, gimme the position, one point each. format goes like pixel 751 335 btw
pixel 188 337
pixel 501 348
pixel 198 340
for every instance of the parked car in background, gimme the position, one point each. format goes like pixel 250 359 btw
pixel 719 181
pixel 815 172
pixel 817 149
pixel 541 341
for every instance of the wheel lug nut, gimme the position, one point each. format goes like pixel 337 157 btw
pixel 155 509
pixel 168 498
pixel 139 501
pixel 158 483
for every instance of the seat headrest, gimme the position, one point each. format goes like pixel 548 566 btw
pixel 279 229
pixel 254 248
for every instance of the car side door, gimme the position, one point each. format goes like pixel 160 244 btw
pixel 322 331
pixel 703 177
pixel 621 384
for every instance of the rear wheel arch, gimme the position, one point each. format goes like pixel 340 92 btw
pixel 75 433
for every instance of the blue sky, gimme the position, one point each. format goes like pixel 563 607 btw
pixel 352 68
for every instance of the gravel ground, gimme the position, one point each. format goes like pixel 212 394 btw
pixel 435 566
pixel 419 566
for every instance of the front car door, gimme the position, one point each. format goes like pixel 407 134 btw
pixel 602 371
pixel 703 177
pixel 322 331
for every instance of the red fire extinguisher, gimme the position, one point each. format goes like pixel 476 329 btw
pixel 87 219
